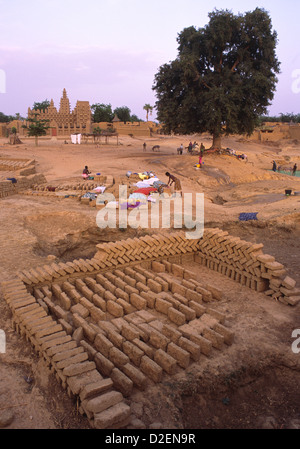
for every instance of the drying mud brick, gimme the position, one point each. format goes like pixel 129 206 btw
pixel 137 377
pixel 104 365
pixel 176 316
pixel 151 369
pixel 103 402
pixel 121 382
pixel 119 413
pixel 180 355
pixel 166 361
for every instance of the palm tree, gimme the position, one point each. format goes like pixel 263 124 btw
pixel 148 108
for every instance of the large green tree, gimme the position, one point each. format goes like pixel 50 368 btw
pixel 36 128
pixel 123 113
pixel 102 112
pixel 223 78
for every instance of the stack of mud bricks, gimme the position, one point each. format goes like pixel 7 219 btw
pixel 8 188
pixel 69 360
pixel 127 342
pixel 245 263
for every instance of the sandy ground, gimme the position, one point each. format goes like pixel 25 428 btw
pixel 251 384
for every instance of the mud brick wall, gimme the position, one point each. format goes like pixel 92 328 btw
pixel 242 261
pixel 8 188
pixel 68 359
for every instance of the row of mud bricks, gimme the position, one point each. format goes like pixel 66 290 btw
pixel 128 350
pixel 245 262
pixel 242 261
pixel 68 359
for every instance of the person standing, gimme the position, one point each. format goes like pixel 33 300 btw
pixel 294 170
pixel 274 168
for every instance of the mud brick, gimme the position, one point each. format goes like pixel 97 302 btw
pixel 120 284
pixel 206 294
pixel 177 270
pixel 128 308
pixel 181 299
pixel 133 352
pixel 103 344
pixel 52 329
pixel 154 286
pixel 119 273
pixel 193 296
pixel 142 287
pixel 130 290
pixel 261 285
pixel 121 294
pixel 168 266
pixel 216 338
pixel 98 289
pixel 104 366
pixel 74 295
pixel 190 347
pixel 166 361
pixel 292 300
pixel 99 302
pixel 121 382
pixel 158 267
pixel 188 284
pixel 108 296
pixel 140 278
pixel 199 310
pixel 89 349
pixel 79 382
pixel 176 316
pixel 87 292
pixel 138 378
pixel 163 283
pixel 97 314
pixel 114 308
pixel 80 310
pixel 129 280
pixel 275 283
pixel 158 340
pixel 144 347
pixel 129 332
pixel 151 369
pixel 189 313
pixel 60 344
pixel 169 298
pixel 150 298
pixel 15 305
pixel 180 355
pixel 108 285
pixel 66 326
pixel 138 301
pixel 95 389
pixel 226 333
pixel 119 413
pixel 78 358
pixel 178 288
pixel 273 266
pixel 162 306
pixel 64 355
pixel 289 283
pixel 102 402
pixel 216 314
pixel 290 292
pixel 117 357
pixel 171 333
pixel 189 274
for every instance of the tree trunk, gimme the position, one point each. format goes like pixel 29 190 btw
pixel 216 142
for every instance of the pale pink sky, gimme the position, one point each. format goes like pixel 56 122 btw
pixel 109 51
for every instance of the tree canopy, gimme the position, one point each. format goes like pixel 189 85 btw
pixel 148 108
pixel 223 78
pixel 123 113
pixel 36 127
pixel 102 112
pixel 42 106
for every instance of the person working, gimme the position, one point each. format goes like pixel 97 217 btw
pixel 86 172
pixel 175 181
pixel 294 170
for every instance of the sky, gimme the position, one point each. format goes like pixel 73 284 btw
pixel 109 51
